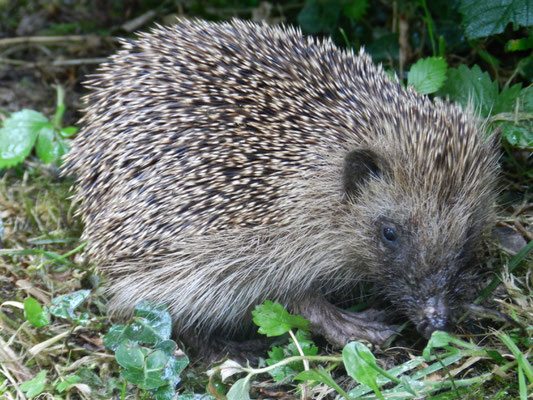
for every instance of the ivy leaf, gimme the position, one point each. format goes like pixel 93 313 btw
pixel 428 74
pixel 274 320
pixel 130 356
pixel 474 86
pixel 489 17
pixel 153 370
pixel 34 313
pixel 35 386
pixel 153 323
pixel 115 336
pixel 64 306
pixel 18 136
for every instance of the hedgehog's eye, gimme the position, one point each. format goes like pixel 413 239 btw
pixel 389 234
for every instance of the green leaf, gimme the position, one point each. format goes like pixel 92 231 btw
pixel 18 136
pixel 240 390
pixel 517 136
pixel 437 339
pixel 278 353
pixel 47 147
pixel 274 320
pixel 64 306
pixel 34 313
pixel 526 99
pixel 68 131
pixel 357 359
pixel 130 356
pixel 520 44
pixel 70 380
pixel 115 336
pixel 166 392
pixel 167 346
pixel 35 386
pixel 153 370
pixel 153 323
pixel 489 17
pixel 174 368
pixel 355 9
pixel 428 74
pixel 465 86
pixel 282 372
pixel 506 100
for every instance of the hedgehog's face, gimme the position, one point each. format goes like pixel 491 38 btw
pixel 419 251
pixel 424 274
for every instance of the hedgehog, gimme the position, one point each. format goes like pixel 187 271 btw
pixel 224 164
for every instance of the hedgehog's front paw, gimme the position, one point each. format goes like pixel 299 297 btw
pixel 339 326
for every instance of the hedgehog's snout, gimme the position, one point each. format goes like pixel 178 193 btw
pixel 436 316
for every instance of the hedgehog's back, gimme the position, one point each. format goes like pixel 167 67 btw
pixel 202 127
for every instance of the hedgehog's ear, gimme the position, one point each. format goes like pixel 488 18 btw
pixel 359 166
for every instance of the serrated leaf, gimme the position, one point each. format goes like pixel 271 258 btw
pixel 18 135
pixel 465 85
pixel 526 99
pixel 282 372
pixel 489 17
pixel 240 390
pixel 428 74
pixel 34 386
pixel 506 100
pixel 35 314
pixel 357 359
pixel 274 320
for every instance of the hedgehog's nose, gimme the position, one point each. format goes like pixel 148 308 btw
pixel 436 317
